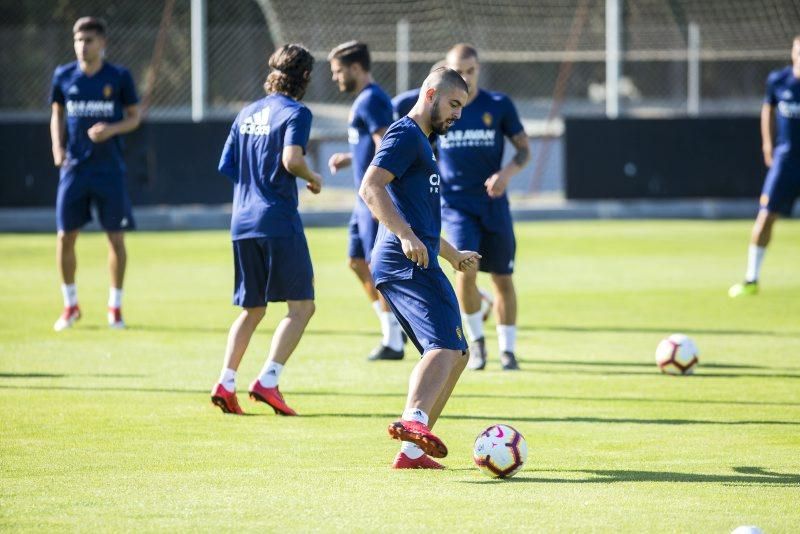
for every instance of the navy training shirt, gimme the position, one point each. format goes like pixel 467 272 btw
pixel 406 153
pixel 264 192
pixel 783 92
pixel 101 97
pixel 472 150
pixel 371 112
pixel 402 103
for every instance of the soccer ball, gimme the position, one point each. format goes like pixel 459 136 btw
pixel 677 355
pixel 500 451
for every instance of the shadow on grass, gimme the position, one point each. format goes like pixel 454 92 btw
pixel 397 395
pixel 740 476
pixel 653 330
pixel 648 365
pixel 603 420
pixel 224 330
pixel 61 375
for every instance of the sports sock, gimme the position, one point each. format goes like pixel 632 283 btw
pixel 473 324
pixel 507 337
pixel 378 307
pixel 411 450
pixel 395 341
pixel 755 256
pixel 70 294
pixel 386 323
pixel 114 297
pixel 228 379
pixel 415 414
pixel 270 374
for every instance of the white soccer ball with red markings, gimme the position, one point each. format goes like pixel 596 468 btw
pixel 677 355
pixel 500 451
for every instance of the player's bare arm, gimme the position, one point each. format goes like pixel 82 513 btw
pixel 294 161
pixel 373 192
pixel 57 130
pixel 465 261
pixel 103 131
pixel 497 183
pixel 767 134
pixel 339 161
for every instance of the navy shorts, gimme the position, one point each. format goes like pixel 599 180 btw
pixel 427 309
pixel 782 186
pixel 362 231
pixel 272 269
pixel 79 187
pixel 491 235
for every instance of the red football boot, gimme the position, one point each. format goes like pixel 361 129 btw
pixel 401 461
pixel 226 400
pixel 420 434
pixel 67 318
pixel 271 396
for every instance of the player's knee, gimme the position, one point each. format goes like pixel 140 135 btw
pixel 67 238
pixel 255 314
pixel 302 310
pixel 117 242
pixel 503 282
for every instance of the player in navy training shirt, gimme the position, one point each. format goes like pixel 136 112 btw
pixel 401 188
pixel 370 116
pixel 475 210
pixel 781 147
pixel 93 103
pixel 263 156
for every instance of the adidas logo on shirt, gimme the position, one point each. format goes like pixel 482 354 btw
pixel 73 90
pixel 256 124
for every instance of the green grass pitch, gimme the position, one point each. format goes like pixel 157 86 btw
pixel 114 431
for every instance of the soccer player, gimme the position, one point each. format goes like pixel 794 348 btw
pixel 475 210
pixel 370 116
pixel 401 188
pixel 93 103
pixel 782 156
pixel 263 156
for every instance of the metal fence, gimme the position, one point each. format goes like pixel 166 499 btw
pixel 549 55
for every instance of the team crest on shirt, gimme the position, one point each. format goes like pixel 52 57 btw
pixel 107 91
pixel 787 94
pixel 487 119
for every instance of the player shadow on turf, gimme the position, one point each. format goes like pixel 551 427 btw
pixel 653 330
pixel 399 395
pixel 221 330
pixel 744 475
pixel 61 375
pixel 604 363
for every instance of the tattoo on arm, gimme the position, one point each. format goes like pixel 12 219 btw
pixel 520 142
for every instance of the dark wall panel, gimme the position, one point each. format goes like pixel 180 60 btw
pixel 663 158
pixel 168 163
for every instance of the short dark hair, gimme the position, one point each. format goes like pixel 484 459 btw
pixel 352 52
pixel 90 24
pixel 445 78
pixel 463 51
pixel 291 67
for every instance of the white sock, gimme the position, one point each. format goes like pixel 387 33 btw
pixel 114 297
pixel 473 324
pixel 228 379
pixel 378 307
pixel 415 414
pixel 270 374
pixel 507 337
pixel 755 255
pixel 411 450
pixel 70 294
pixel 395 341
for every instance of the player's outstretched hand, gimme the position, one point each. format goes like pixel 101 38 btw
pixel 338 161
pixel 496 185
pixel 414 249
pixel 99 132
pixel 466 261
pixel 315 184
